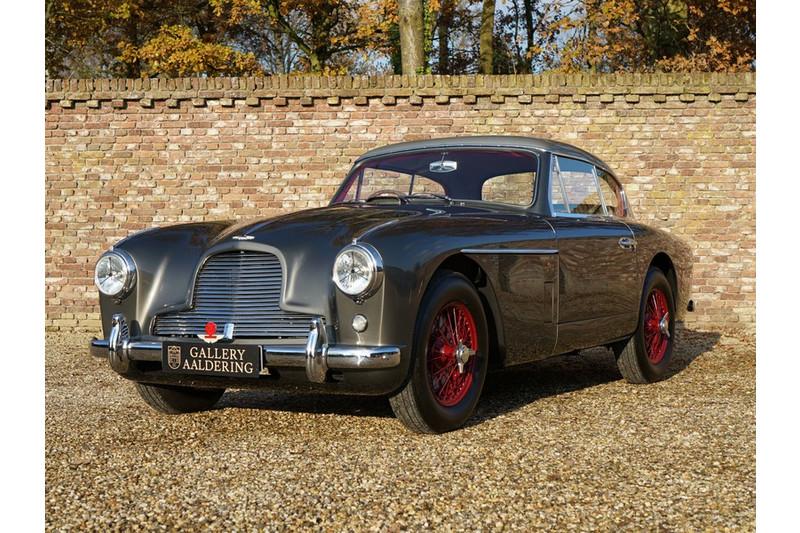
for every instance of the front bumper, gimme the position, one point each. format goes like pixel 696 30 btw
pixel 317 356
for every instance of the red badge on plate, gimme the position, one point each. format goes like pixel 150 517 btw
pixel 211 333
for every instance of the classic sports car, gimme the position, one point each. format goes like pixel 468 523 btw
pixel 435 262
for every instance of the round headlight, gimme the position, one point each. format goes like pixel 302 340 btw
pixel 114 273
pixel 358 270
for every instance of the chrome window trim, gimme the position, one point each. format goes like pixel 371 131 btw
pixel 554 160
pixel 576 215
pixel 614 182
pixel 570 214
pixel 599 191
pixel 564 197
pixel 628 212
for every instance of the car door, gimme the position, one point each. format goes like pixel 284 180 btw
pixel 598 291
pixel 523 271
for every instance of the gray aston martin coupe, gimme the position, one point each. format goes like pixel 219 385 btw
pixel 434 262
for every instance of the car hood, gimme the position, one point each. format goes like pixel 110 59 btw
pixel 333 226
pixel 306 242
pixel 167 259
pixel 336 225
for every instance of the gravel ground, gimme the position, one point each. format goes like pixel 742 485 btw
pixel 563 443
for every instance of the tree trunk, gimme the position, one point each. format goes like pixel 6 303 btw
pixel 445 19
pixel 411 36
pixel 528 34
pixel 487 37
pixel 133 69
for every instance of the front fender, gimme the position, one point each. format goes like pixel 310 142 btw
pixel 412 252
pixel 170 253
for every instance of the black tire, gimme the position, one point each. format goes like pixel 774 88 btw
pixel 416 405
pixel 174 400
pixel 638 362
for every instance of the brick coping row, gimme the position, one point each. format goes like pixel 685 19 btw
pixel 551 88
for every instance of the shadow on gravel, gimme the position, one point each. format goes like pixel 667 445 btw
pixel 508 390
pixel 504 391
pixel 305 402
pixel 691 345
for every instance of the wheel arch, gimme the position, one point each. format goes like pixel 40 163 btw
pixel 663 262
pixel 467 266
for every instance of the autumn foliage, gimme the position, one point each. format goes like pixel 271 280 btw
pixel 135 38
pixel 176 51
pixel 668 35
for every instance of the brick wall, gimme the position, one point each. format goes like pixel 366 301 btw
pixel 122 155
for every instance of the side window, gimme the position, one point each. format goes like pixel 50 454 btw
pixel 516 189
pixel 557 199
pixel 612 194
pixel 579 187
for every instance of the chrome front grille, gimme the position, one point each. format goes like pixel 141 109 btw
pixel 241 287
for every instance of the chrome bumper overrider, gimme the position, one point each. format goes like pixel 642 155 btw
pixel 317 356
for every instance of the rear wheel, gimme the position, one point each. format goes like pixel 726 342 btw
pixel 175 400
pixel 450 358
pixel 646 356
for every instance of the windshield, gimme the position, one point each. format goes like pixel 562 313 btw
pixel 492 175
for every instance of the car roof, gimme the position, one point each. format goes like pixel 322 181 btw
pixel 489 141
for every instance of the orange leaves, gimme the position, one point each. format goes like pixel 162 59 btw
pixel 320 29
pixel 604 38
pixel 672 35
pixel 88 38
pixel 176 51
pixel 721 36
pixel 235 10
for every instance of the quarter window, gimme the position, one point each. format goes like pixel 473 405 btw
pixel 576 190
pixel 612 194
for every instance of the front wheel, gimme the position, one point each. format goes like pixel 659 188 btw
pixel 174 400
pixel 450 358
pixel 646 356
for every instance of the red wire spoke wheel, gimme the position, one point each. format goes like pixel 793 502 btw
pixel 453 339
pixel 646 355
pixel 450 357
pixel 656 326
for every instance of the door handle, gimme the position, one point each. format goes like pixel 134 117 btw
pixel 627 243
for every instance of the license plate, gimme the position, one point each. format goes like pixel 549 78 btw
pixel 229 360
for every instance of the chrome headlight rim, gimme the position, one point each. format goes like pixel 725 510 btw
pixel 130 273
pixel 375 267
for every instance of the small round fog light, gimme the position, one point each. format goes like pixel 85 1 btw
pixel 359 323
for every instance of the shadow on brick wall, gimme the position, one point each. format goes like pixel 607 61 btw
pixel 504 392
